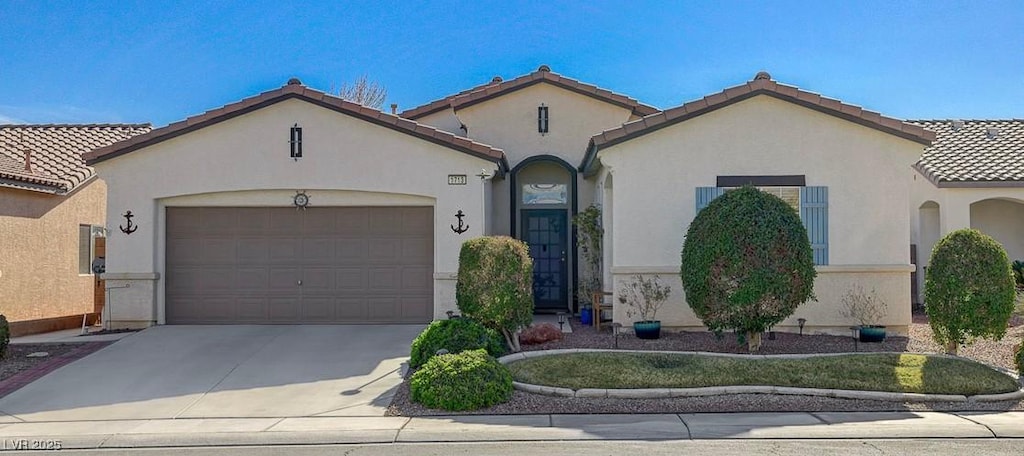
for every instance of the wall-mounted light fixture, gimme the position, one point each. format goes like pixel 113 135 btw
pixel 295 141
pixel 542 119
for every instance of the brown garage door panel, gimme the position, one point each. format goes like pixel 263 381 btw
pixel 280 265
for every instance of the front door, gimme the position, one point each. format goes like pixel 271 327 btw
pixel 545 231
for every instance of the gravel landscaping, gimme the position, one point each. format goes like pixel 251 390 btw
pixel 17 360
pixel 998 353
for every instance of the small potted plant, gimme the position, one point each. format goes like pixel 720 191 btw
pixel 642 298
pixel 868 309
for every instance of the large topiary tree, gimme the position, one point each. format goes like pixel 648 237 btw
pixel 495 285
pixel 968 289
pixel 747 263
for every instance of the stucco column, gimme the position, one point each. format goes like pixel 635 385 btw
pixel 954 215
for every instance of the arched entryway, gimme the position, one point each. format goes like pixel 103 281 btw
pixel 1001 218
pixel 929 232
pixel 543 201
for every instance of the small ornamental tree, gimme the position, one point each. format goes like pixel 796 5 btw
pixel 747 263
pixel 590 236
pixel 968 289
pixel 495 285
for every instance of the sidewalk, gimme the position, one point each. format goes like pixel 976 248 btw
pixel 350 430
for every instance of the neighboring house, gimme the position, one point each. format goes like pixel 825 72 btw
pixel 52 210
pixel 971 177
pixel 294 206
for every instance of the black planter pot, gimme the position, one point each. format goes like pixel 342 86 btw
pixel 872 333
pixel 647 329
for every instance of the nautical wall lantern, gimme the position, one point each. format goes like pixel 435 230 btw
pixel 295 141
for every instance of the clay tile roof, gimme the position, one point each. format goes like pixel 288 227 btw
pixel 497 87
pixel 55 153
pixel 295 89
pixel 761 85
pixel 974 153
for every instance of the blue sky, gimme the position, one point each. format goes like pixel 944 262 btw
pixel 150 61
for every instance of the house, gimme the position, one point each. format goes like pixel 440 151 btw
pixel 52 211
pixel 294 206
pixel 971 177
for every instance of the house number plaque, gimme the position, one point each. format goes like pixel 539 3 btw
pixel 457 179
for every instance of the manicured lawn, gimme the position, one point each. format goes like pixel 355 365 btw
pixel 910 373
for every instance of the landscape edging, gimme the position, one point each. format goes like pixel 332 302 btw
pixel 665 393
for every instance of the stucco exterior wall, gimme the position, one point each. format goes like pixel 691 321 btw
pixel 823 316
pixel 509 122
pixel 245 161
pixel 39 252
pixel 865 171
pixel 444 120
pixel 996 211
pixel 1004 221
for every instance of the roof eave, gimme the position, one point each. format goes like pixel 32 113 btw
pixel 192 124
pixel 980 184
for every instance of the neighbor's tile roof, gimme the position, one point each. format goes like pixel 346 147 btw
pixel 55 153
pixel 762 84
pixel 295 89
pixel 497 88
pixel 969 153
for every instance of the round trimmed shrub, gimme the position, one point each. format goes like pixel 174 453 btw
pixel 461 381
pixel 495 284
pixel 969 289
pixel 5 336
pixel 455 335
pixel 747 263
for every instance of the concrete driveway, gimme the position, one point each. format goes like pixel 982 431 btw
pixel 225 372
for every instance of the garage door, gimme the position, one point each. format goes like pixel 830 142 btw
pixel 289 266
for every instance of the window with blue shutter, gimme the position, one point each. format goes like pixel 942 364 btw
pixel 814 213
pixel 706 194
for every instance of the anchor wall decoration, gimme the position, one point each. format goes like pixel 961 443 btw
pixel 462 228
pixel 131 227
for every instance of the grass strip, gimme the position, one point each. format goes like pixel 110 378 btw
pixel 901 373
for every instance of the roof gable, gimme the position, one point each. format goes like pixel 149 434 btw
pixel 762 84
pixel 49 157
pixel 497 87
pixel 295 90
pixel 974 153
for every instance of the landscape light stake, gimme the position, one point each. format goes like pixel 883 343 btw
pixel 561 321
pixel 615 333
pixel 801 322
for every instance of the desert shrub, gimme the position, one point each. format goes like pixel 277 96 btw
pixel 747 263
pixel 461 381
pixel 5 336
pixel 495 284
pixel 455 335
pixel 968 289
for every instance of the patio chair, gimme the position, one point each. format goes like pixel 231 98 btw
pixel 598 301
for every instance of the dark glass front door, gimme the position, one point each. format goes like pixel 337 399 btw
pixel 545 231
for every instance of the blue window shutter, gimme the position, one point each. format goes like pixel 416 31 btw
pixel 706 194
pixel 814 213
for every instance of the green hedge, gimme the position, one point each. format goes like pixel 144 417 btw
pixel 5 336
pixel 746 263
pixel 461 381
pixel 455 335
pixel 969 289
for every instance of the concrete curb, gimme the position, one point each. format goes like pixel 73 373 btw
pixel 665 393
